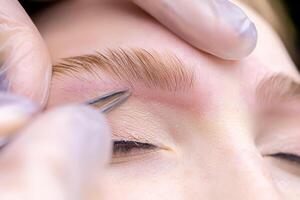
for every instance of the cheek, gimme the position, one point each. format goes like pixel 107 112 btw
pixel 157 187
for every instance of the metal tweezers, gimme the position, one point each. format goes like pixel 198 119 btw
pixel 104 104
pixel 109 101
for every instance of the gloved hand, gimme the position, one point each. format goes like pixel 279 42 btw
pixel 56 155
pixel 214 26
pixel 25 65
pixel 217 27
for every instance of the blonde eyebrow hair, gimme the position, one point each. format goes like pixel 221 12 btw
pixel 278 88
pixel 154 70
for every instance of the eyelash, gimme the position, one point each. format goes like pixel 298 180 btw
pixel 131 148
pixel 125 148
pixel 287 157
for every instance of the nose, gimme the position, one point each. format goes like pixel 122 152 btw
pixel 54 156
pixel 242 177
pixel 239 171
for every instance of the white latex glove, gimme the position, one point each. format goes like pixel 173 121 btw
pixel 55 155
pixel 25 65
pixel 217 27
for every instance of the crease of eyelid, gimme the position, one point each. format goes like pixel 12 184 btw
pixel 132 133
pixel 278 88
pixel 154 70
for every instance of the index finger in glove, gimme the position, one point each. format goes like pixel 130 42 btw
pixel 55 156
pixel 215 26
pixel 25 65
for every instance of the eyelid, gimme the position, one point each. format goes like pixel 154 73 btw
pixel 125 151
pixel 134 121
pixel 125 146
pixel 294 158
pixel 141 139
pixel 278 135
pixel 130 137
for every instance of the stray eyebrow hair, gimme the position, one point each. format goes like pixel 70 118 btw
pixel 278 88
pixel 154 70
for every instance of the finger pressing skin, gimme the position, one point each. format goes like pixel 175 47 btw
pixel 215 26
pixel 25 65
pixel 55 156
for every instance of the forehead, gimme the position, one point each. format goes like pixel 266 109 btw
pixel 89 27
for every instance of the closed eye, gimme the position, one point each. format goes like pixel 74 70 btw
pixel 127 148
pixel 293 158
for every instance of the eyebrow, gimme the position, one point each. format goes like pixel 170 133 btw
pixel 154 70
pixel 278 88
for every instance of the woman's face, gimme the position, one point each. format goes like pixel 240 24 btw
pixel 195 127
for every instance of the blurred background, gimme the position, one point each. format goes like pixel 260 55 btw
pixel 283 15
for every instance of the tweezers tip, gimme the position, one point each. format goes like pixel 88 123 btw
pixel 126 92
pixel 122 97
pixel 113 99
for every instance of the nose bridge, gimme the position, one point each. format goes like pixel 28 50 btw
pixel 241 175
pixel 238 172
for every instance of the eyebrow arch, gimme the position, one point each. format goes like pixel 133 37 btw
pixel 154 70
pixel 278 88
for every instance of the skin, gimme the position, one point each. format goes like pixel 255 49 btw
pixel 25 59
pixel 208 143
